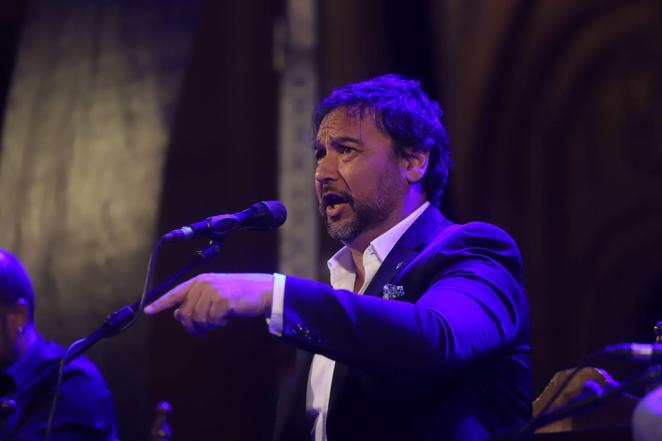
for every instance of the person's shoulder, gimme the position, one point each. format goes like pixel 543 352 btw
pixel 82 380
pixel 472 234
pixel 86 370
pixel 477 247
pixel 84 403
pixel 81 369
pixel 84 396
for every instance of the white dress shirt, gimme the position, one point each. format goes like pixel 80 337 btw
pixel 343 276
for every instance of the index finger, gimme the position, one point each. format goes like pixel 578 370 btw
pixel 174 297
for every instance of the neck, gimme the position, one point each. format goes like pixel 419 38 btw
pixel 357 258
pixel 363 240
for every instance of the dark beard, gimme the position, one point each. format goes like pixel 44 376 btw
pixel 367 214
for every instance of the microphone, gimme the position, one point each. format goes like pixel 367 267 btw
pixel 636 351
pixel 264 215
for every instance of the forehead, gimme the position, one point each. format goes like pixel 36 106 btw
pixel 344 122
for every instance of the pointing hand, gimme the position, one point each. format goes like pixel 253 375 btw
pixel 209 301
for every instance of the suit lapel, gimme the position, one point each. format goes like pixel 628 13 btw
pixel 404 251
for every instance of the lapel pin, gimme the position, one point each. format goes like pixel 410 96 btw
pixel 391 292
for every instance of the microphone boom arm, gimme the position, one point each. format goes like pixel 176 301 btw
pixel 117 320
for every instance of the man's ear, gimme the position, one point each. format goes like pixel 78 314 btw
pixel 415 163
pixel 18 314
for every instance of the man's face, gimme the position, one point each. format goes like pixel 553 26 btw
pixel 359 179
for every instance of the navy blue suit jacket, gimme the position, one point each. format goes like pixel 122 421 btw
pixel 448 360
pixel 84 409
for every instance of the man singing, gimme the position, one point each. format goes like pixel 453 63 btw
pixel 424 331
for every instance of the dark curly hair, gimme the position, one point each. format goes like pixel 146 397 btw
pixel 403 111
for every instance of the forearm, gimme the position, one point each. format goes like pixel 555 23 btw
pixel 451 323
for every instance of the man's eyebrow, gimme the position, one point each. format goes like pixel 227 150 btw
pixel 339 140
pixel 343 139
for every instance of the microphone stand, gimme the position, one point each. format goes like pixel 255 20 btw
pixel 117 320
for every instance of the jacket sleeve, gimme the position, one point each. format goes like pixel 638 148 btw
pixel 464 299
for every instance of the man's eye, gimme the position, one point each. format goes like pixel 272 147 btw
pixel 319 154
pixel 345 150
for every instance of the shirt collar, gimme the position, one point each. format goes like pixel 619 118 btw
pixel 383 244
pixel 341 264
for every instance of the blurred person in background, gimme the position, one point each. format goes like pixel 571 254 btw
pixel 27 361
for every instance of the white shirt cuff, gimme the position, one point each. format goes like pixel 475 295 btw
pixel 275 321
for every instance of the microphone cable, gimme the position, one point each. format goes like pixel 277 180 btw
pixel 147 286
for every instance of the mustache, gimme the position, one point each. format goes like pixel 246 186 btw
pixel 346 196
pixel 323 203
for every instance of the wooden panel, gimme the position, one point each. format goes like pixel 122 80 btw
pixel 558 136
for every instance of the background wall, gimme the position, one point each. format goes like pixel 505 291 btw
pixel 87 123
pixel 122 119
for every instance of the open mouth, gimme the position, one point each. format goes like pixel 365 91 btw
pixel 334 203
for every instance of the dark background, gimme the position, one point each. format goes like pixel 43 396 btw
pixel 122 119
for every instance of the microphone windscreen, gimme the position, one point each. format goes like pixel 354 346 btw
pixel 275 214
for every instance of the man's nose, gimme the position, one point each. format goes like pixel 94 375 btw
pixel 326 170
